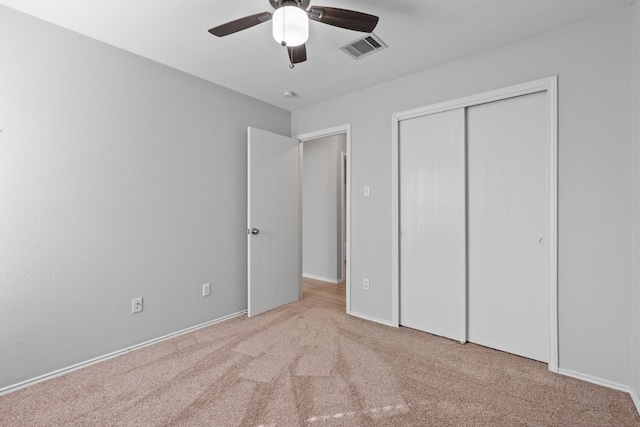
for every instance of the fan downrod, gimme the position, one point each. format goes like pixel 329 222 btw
pixel 301 3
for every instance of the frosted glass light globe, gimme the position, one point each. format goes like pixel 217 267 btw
pixel 290 26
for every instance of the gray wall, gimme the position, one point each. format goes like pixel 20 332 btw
pixel 321 211
pixel 636 198
pixel 119 178
pixel 593 61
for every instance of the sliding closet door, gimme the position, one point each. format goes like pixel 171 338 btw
pixel 432 224
pixel 508 225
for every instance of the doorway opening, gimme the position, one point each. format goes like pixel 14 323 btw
pixel 325 178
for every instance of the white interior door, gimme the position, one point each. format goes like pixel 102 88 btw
pixel 432 224
pixel 273 221
pixel 508 225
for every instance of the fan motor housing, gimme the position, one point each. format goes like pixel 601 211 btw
pixel 301 3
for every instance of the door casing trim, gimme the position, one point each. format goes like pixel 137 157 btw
pixel 549 85
pixel 346 129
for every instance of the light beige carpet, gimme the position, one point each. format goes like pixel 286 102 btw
pixel 306 365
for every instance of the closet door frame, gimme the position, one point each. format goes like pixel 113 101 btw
pixel 548 85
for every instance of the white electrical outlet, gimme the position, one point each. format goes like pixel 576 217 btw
pixel 136 305
pixel 206 290
pixel 365 284
pixel 367 191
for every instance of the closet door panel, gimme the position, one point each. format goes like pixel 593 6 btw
pixel 432 224
pixel 508 225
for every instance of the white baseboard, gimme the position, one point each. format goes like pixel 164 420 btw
pixel 372 319
pixel 322 279
pixel 635 398
pixel 604 383
pixel 59 372
pixel 595 380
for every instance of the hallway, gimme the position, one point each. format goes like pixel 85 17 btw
pixel 327 294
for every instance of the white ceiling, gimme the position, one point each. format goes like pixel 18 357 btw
pixel 420 33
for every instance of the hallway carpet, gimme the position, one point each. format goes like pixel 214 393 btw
pixel 307 365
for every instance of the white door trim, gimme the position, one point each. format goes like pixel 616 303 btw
pixel 346 129
pixel 550 85
pixel 343 212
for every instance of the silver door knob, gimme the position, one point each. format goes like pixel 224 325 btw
pixel 255 231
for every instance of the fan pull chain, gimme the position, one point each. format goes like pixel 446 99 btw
pixel 284 34
pixel 284 43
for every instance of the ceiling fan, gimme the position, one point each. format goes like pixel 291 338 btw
pixel 291 24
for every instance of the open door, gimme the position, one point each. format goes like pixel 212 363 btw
pixel 273 221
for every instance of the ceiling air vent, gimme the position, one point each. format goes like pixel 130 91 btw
pixel 365 46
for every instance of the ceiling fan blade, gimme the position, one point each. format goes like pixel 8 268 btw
pixel 240 24
pixel 297 54
pixel 344 18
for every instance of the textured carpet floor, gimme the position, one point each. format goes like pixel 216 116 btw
pixel 306 365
